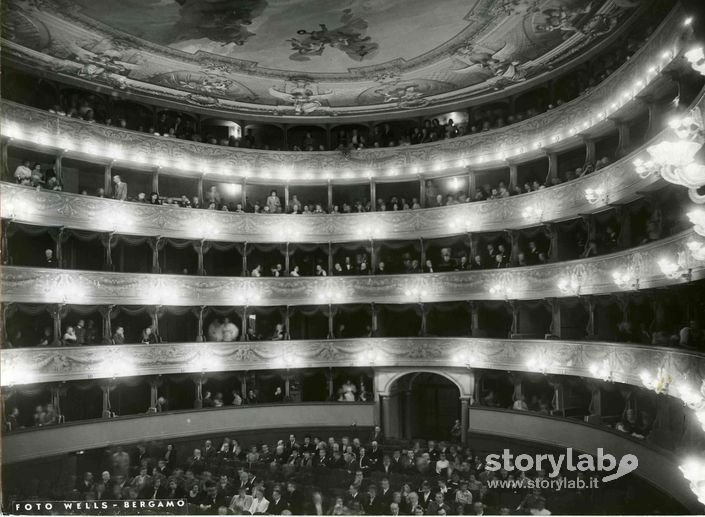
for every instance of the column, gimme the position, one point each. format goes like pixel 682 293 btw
pixel 5 172
pixel 199 190
pixel 558 395
pixel 589 306
pixel 200 337
pixel 57 168
pixel 513 175
pixel 655 114
pixel 423 319
pixel 244 193
pixel 474 318
pixel 56 400
pixel 244 259
pixel 423 252
pixel 331 333
pixel 373 195
pixel 595 408
pixel 422 192
pixel 106 312
pixel 517 379
pixel 329 380
pixel 330 258
pixel 472 184
pixel 330 195
pixel 552 232
pixel 243 386
pixel 464 419
pixel 153 393
pixel 58 252
pixel 108 258
pixel 552 167
pixel 556 325
pixel 287 334
pixel 375 329
pixel 244 324
pixel 154 315
pixel 515 249
pixel 287 259
pixel 106 387
pixel 108 180
pixel 201 269
pixel 287 386
pixel 198 402
pixel 384 412
pixel 4 241
pixel 55 311
pixel 286 198
pixel 624 139
pixel 155 179
pixel 155 255
pixel 514 306
pixel 373 257
pixel 590 150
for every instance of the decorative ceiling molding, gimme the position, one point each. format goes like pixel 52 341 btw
pixel 497 50
pixel 32 285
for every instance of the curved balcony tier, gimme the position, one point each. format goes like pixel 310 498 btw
pixel 636 80
pixel 561 202
pixel 592 276
pixel 627 361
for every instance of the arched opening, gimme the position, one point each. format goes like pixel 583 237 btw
pixel 423 405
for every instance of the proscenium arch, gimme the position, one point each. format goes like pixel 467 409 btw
pixel 462 378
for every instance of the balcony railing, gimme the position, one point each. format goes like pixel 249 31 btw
pixel 591 276
pixel 627 361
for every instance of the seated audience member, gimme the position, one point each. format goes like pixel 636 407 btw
pixel 23 173
pixel 120 189
pixel 49 260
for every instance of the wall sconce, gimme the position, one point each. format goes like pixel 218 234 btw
pixel 538 364
pixel 370 356
pixel 503 289
pixel 625 279
pixel 288 360
pixel 329 296
pixel 694 471
pixel 369 232
pixel 205 362
pixel 570 286
pixel 417 293
pixel 532 213
pixel 161 293
pixel 659 383
pixel 115 365
pixel 675 270
pixel 697 250
pixel 596 196
pixel 248 296
pixel 645 168
pixel 459 224
pixel 465 358
pixel 694 399
pixel 696 58
pixel 697 217
pixel 601 371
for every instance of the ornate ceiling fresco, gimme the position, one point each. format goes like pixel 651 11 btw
pixel 307 57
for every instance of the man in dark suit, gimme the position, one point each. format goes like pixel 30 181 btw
pixel 377 435
pixel 386 466
pixel 294 499
pixel 373 504
pixel 385 493
pixel 397 462
pixel 277 505
pixel 212 499
pixel 308 445
pixel 375 454
pixel 86 484
pixel 426 495
pixel 354 496
pixel 363 461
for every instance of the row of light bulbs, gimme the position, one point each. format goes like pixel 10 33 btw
pixel 115 152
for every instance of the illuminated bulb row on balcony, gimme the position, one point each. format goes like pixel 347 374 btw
pixel 287 173
pixel 625 279
pixel 659 383
pixel 596 196
pixel 601 371
pixel 569 286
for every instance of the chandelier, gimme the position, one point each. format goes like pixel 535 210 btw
pixel 674 159
pixel 694 471
pixel 696 58
pixel 697 250
pixel 675 270
pixel 697 217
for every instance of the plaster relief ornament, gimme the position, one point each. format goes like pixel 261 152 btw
pixel 483 65
pixel 349 38
pixel 305 97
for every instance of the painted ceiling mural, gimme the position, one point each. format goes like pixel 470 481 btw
pixel 307 57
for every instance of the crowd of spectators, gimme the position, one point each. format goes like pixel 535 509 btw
pixel 316 476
